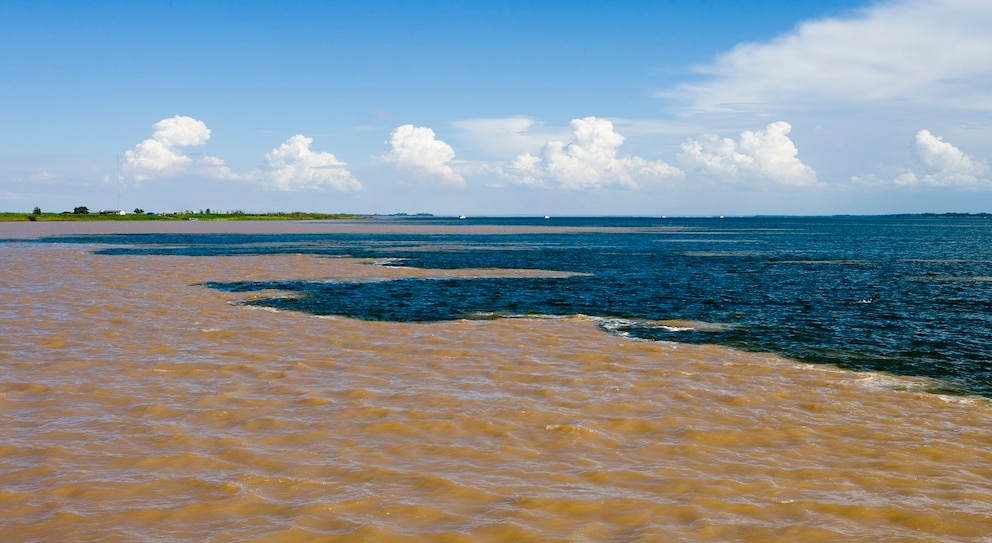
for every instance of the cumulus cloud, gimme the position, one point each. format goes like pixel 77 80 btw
pixel 416 150
pixel 941 165
pixel 291 166
pixel 933 52
pixel 162 155
pixel 294 166
pixel 589 160
pixel 950 166
pixel 761 156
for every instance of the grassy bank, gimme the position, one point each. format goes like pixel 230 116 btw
pixel 235 216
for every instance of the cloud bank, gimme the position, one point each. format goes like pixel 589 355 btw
pixel 590 160
pixel 417 151
pixel 763 157
pixel 932 52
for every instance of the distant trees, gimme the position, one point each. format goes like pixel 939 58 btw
pixel 81 210
pixel 138 211
pixel 37 211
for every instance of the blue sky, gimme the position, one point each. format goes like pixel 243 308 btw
pixel 498 108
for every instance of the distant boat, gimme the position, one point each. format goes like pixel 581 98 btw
pixel 461 216
pixel 547 217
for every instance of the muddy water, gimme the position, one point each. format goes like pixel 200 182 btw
pixel 136 405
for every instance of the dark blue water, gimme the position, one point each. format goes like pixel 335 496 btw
pixel 908 295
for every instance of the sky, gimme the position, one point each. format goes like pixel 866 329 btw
pixel 644 108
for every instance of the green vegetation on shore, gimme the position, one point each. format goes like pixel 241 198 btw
pixel 177 216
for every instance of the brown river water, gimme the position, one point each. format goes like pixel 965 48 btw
pixel 136 405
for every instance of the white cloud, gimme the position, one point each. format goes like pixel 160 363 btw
pixel 40 177
pixel 214 168
pixel 180 131
pixel 589 160
pixel 941 165
pixel 949 165
pixel 416 150
pixel 933 52
pixel 294 166
pixel 162 156
pixel 757 157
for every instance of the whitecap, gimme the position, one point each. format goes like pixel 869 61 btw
pixel 616 325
